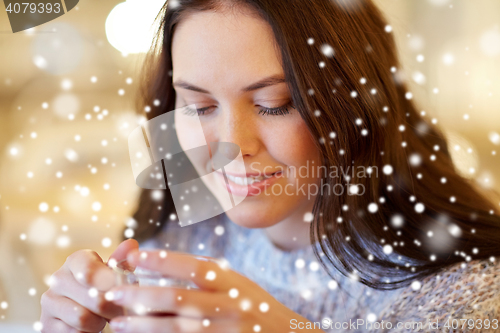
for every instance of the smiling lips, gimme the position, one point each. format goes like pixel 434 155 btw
pixel 248 185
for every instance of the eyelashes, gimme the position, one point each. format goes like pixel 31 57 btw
pixel 282 110
pixel 278 111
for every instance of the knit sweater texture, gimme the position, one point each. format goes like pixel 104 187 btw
pixel 467 292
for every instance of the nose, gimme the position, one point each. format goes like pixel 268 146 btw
pixel 237 125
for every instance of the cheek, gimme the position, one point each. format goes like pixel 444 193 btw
pixel 192 140
pixel 292 145
pixel 189 131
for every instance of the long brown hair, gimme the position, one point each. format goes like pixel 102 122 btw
pixel 326 48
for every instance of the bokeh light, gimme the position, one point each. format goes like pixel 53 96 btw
pixel 129 26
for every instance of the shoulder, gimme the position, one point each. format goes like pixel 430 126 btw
pixel 468 290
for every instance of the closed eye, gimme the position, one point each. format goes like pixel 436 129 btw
pixel 279 111
pixel 282 110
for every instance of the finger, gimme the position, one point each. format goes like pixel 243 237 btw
pixel 89 298
pixel 54 325
pixel 73 314
pixel 123 249
pixel 207 273
pixel 89 269
pixel 136 324
pixel 184 302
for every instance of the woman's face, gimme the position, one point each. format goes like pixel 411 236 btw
pixel 217 60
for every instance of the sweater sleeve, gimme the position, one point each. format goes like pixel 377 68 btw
pixel 464 297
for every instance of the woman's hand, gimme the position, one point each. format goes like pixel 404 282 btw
pixel 226 301
pixel 75 300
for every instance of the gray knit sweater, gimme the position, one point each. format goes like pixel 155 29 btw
pixel 468 291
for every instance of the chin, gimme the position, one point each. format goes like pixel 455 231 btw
pixel 255 216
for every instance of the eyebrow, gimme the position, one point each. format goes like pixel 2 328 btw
pixel 266 82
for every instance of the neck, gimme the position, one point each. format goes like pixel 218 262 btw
pixel 292 233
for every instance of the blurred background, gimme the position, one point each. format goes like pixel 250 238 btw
pixel 67 93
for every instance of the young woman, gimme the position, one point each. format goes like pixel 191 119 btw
pixel 400 241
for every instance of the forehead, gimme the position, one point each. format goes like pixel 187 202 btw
pixel 211 44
